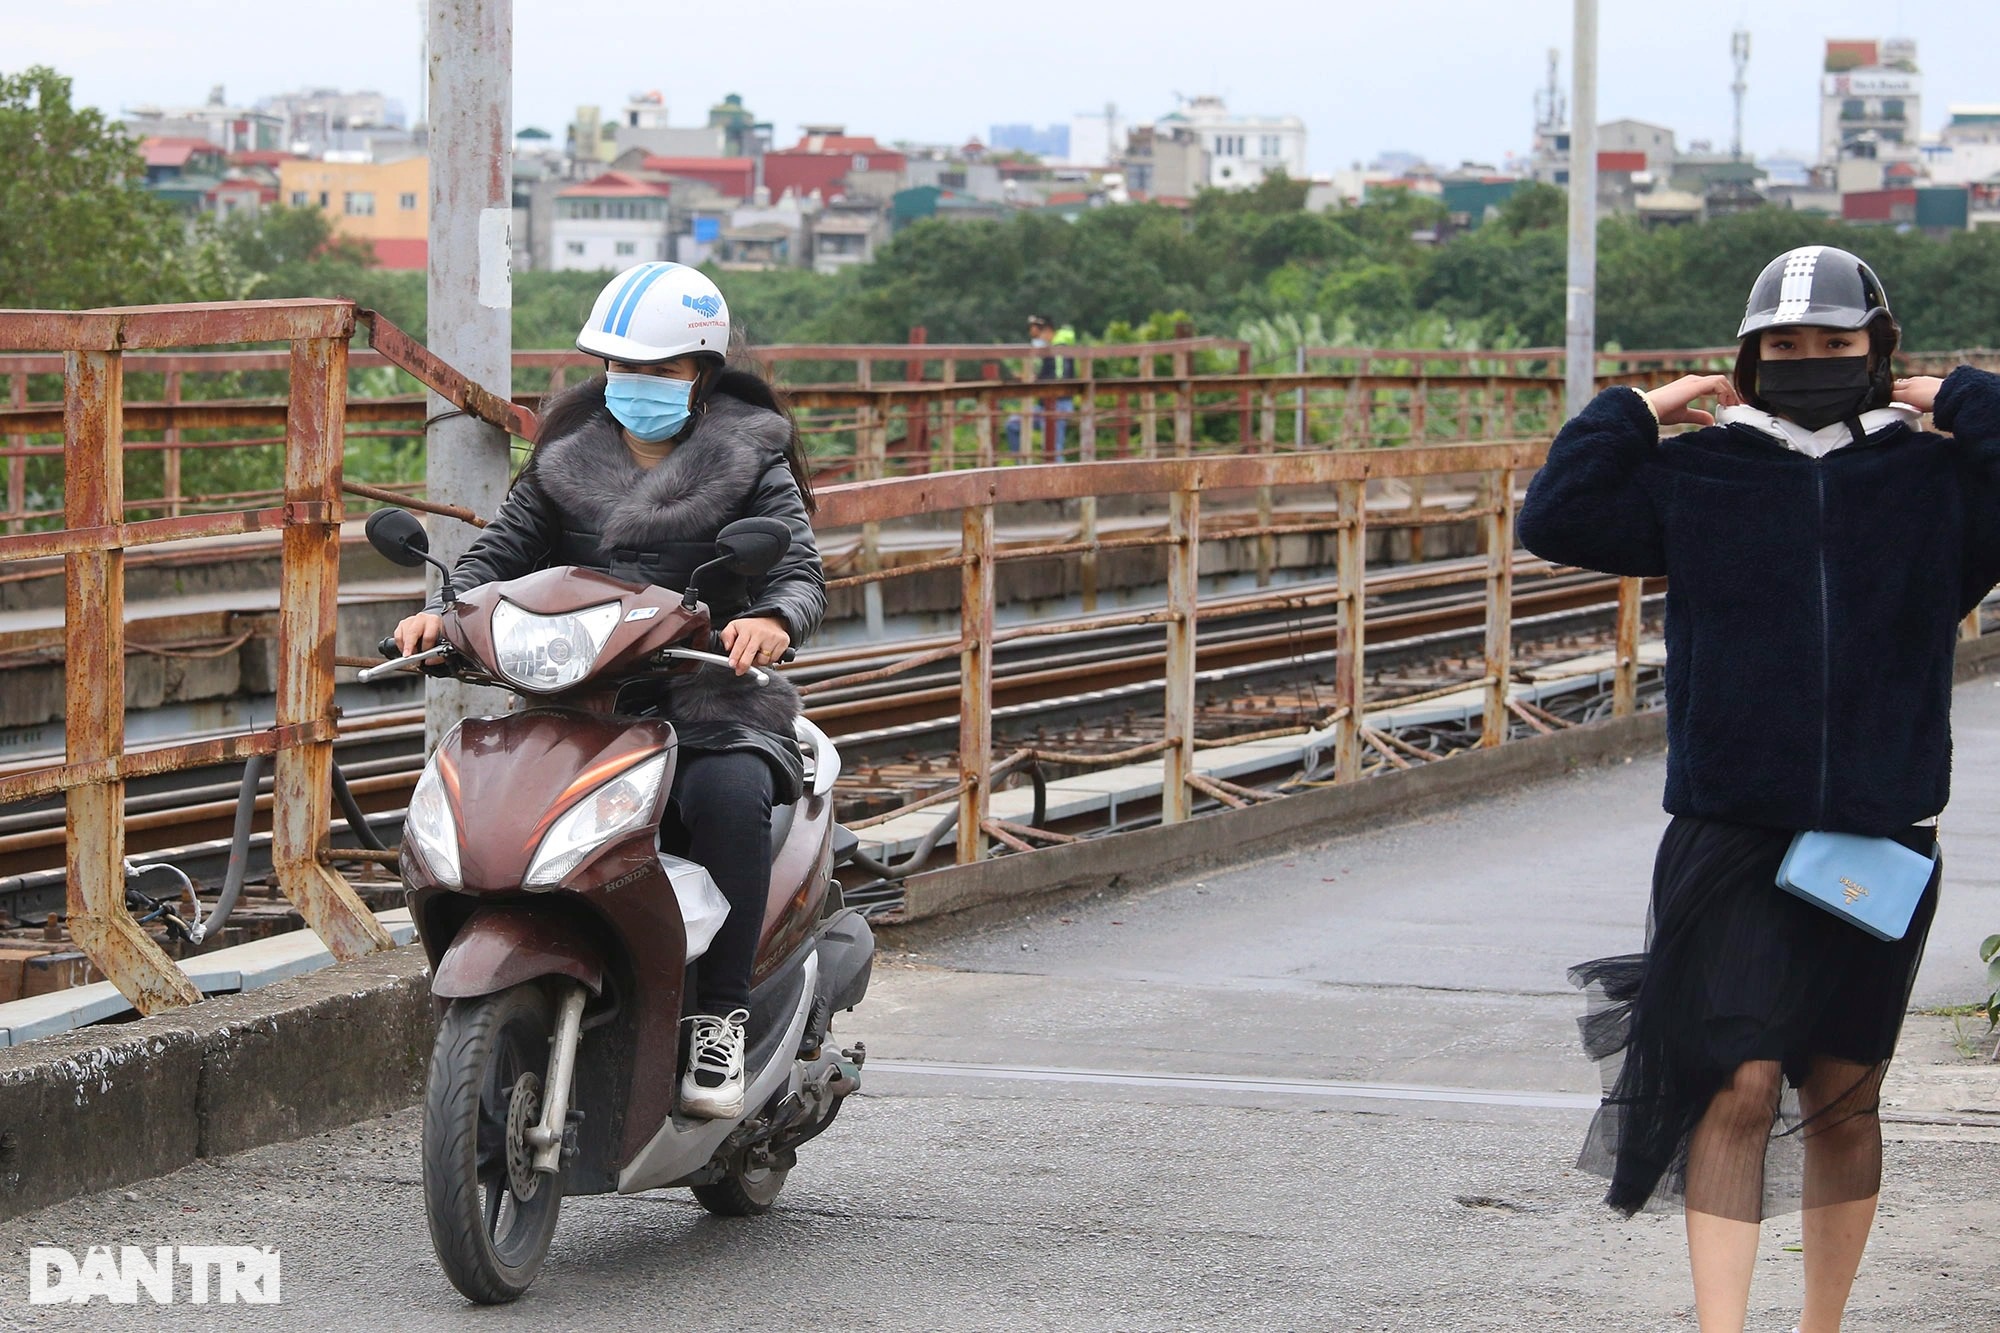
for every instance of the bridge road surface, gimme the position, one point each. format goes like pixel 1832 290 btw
pixel 1256 1188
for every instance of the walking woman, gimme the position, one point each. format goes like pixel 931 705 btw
pixel 1820 550
pixel 637 471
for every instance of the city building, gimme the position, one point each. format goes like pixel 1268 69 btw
pixel 591 142
pixel 1871 101
pixel 233 129
pixel 323 120
pixel 1936 209
pixel 958 175
pixel 1095 137
pixel 181 171
pixel 827 161
pixel 169 159
pixel 766 235
pixel 846 234
pixel 611 222
pixel 1242 150
pixel 733 177
pixel 920 202
pixel 1967 150
pixel 1167 162
pixel 1653 142
pixel 643 124
pixel 385 204
pixel 743 135
pixel 1473 195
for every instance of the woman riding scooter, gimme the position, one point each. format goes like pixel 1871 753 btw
pixel 635 473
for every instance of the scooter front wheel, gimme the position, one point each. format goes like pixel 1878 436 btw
pixel 491 1214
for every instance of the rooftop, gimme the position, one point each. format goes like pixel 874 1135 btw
pixel 161 151
pixel 613 185
pixel 698 164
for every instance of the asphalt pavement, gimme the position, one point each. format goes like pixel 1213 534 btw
pixel 1335 1089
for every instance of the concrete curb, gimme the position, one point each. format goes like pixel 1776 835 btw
pixel 98 1107
pixel 1146 855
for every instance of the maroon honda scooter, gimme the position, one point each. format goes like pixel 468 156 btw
pixel 560 936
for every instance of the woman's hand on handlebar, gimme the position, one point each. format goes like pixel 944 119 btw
pixel 418 633
pixel 753 641
pixel 1671 402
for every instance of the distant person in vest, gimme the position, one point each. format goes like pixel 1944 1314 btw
pixel 1051 414
pixel 636 472
pixel 1820 550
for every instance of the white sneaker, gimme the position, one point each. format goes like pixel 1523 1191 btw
pixel 712 1088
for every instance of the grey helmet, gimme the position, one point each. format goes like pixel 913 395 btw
pixel 1815 285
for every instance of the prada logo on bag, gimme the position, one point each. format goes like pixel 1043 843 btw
pixel 1853 892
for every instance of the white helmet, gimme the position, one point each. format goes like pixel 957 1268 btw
pixel 655 312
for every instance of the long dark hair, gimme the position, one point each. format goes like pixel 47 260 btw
pixel 575 407
pixel 1884 336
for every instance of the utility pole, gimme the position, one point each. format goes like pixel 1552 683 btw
pixel 1580 325
pixel 471 295
pixel 1739 51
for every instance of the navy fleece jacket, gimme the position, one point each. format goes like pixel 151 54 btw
pixel 1812 604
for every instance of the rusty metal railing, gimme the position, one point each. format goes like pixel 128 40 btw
pixel 1147 400
pixel 1496 469
pixel 96 533
pixel 886 410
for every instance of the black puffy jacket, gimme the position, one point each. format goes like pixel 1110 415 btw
pixel 1812 604
pixel 583 500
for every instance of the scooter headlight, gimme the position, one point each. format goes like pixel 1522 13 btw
pixel 428 822
pixel 549 653
pixel 617 807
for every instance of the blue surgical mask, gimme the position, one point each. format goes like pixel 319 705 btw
pixel 652 407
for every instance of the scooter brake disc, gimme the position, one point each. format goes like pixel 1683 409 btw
pixel 524 1112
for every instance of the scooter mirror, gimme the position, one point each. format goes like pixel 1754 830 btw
pixel 397 535
pixel 753 546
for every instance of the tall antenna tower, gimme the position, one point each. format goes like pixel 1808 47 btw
pixel 1739 51
pixel 1550 110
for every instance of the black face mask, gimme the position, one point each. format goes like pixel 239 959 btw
pixel 1817 390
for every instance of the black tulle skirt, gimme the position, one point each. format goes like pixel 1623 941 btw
pixel 1738 970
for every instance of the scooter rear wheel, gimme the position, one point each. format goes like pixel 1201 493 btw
pixel 490 1219
pixel 745 1192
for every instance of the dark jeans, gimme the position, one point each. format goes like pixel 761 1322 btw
pixel 720 818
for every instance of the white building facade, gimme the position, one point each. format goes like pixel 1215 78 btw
pixel 1242 150
pixel 1872 109
pixel 612 222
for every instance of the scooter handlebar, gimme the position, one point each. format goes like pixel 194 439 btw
pixel 712 659
pixel 367 674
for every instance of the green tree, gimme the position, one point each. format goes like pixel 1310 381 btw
pixel 1534 207
pixel 77 226
pixel 1376 297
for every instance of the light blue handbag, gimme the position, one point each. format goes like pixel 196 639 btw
pixel 1875 883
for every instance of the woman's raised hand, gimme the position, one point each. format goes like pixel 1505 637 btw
pixel 1671 401
pixel 1919 391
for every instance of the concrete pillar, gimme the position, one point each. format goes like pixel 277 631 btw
pixel 467 462
pixel 1580 333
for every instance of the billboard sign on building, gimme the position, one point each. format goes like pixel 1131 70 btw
pixel 1873 83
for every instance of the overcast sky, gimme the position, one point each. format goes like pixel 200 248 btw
pixel 1451 79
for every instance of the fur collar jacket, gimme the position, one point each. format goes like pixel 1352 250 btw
pixel 583 500
pixel 1813 601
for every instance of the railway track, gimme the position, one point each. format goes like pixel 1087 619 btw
pixel 1055 680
